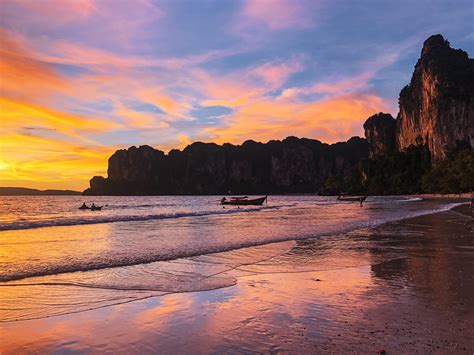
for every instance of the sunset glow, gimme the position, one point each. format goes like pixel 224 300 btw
pixel 82 78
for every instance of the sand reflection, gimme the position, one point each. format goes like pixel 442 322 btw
pixel 39 251
pixel 370 289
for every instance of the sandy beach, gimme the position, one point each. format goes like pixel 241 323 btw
pixel 401 287
pixel 236 177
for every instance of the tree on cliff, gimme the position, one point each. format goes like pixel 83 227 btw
pixel 451 176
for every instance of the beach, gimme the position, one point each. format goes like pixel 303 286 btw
pixel 236 177
pixel 402 286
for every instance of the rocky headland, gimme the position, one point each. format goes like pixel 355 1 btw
pixel 427 148
pixel 289 166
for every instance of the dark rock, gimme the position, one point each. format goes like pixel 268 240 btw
pixel 97 182
pixel 292 165
pixel 380 134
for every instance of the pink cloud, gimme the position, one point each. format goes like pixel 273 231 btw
pixel 277 73
pixel 278 14
pixel 241 87
pixel 58 51
pixel 46 14
pixel 333 87
pixel 106 22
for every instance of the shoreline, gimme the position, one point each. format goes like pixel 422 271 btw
pixel 458 208
pixel 198 254
pixel 401 286
pixel 463 195
pixel 125 219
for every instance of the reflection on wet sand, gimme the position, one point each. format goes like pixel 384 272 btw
pixel 21 252
pixel 402 287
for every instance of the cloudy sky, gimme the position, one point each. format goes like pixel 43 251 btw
pixel 82 78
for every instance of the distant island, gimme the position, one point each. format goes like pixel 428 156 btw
pixel 426 149
pixel 23 191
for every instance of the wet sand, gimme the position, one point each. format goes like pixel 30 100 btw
pixel 402 287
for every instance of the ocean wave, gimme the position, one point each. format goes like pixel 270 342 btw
pixel 370 200
pixel 147 259
pixel 137 218
pixel 136 260
pixel 412 199
pixel 123 207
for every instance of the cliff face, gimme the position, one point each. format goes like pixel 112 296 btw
pixel 380 134
pixel 437 107
pixel 291 165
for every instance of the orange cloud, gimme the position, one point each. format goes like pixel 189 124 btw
pixel 260 116
pixel 329 120
pixel 226 91
pixel 158 97
pixel 22 76
pixel 16 114
pixel 139 120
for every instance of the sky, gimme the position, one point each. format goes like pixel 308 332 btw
pixel 80 79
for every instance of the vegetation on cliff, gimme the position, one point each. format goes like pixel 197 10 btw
pixel 453 175
pixel 407 172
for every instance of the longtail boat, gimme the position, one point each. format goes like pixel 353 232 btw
pixel 243 201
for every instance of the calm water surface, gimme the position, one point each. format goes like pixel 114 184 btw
pixel 56 259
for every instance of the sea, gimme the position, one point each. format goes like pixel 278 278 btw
pixel 56 259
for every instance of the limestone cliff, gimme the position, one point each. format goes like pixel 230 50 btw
pixel 380 134
pixel 437 107
pixel 291 165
